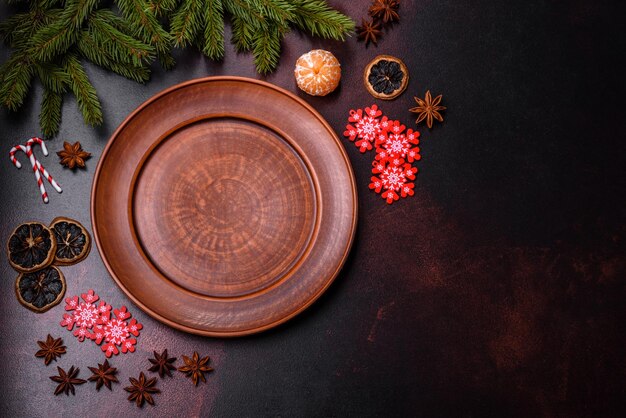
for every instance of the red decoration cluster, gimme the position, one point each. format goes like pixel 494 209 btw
pixel 95 322
pixel 396 148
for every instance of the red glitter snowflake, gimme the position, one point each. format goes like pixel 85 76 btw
pixel 393 176
pixel 117 332
pixel 94 322
pixel 366 127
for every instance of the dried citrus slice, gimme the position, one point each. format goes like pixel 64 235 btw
pixel 31 247
pixel 73 241
pixel 318 72
pixel 40 290
pixel 386 77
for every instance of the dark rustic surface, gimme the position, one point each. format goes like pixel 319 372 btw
pixel 497 290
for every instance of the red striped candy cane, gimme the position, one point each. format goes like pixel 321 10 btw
pixel 33 162
pixel 37 140
pixel 12 155
pixel 44 172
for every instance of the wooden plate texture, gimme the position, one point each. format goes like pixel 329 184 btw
pixel 224 206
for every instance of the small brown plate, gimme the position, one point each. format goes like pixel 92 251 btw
pixel 224 206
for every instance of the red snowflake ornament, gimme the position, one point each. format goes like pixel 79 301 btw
pixel 366 127
pixel 116 332
pixel 85 314
pixel 95 323
pixel 393 176
pixel 395 145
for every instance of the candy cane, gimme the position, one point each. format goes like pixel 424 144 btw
pixel 37 140
pixel 33 162
pixel 12 155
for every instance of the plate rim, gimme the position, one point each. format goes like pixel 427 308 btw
pixel 269 325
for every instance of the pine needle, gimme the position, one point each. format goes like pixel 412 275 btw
pixel 86 96
pixel 186 22
pixel 50 115
pixel 213 29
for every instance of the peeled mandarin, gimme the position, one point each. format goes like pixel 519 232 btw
pixel 318 72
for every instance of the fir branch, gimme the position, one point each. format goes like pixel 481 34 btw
pixel 213 29
pixel 145 25
pixel 319 19
pixel 90 49
pixel 161 7
pixel 113 19
pixel 86 96
pixel 50 114
pixel 243 34
pixel 243 10
pixel 77 11
pixel 166 60
pixel 186 22
pixel 18 73
pixel 119 45
pixel 278 10
pixel 266 48
pixel 53 77
pixel 53 39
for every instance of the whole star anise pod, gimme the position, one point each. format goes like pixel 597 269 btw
pixel 428 109
pixel 73 156
pixel 369 31
pixel 141 390
pixel 195 367
pixel 162 364
pixel 104 374
pixel 67 380
pixel 51 349
pixel 385 10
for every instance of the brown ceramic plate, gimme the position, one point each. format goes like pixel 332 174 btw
pixel 224 206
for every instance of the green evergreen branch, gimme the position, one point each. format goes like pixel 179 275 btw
pixel 318 18
pixel 266 48
pixel 76 11
pixel 245 11
pixel 94 52
pixel 50 114
pixel 118 44
pixel 161 7
pixel 186 22
pixel 243 34
pixel 18 73
pixel 53 77
pixel 86 96
pixel 145 25
pixel 213 29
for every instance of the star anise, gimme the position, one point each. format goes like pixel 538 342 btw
pixel 141 390
pixel 385 10
pixel 51 349
pixel 162 364
pixel 104 374
pixel 73 156
pixel 369 31
pixel 67 380
pixel 428 109
pixel 195 367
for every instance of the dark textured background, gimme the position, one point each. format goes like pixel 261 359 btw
pixel 498 290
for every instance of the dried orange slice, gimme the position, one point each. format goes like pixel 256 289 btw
pixel 386 77
pixel 318 72
pixel 31 247
pixel 40 290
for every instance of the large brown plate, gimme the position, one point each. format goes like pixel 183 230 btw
pixel 224 206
